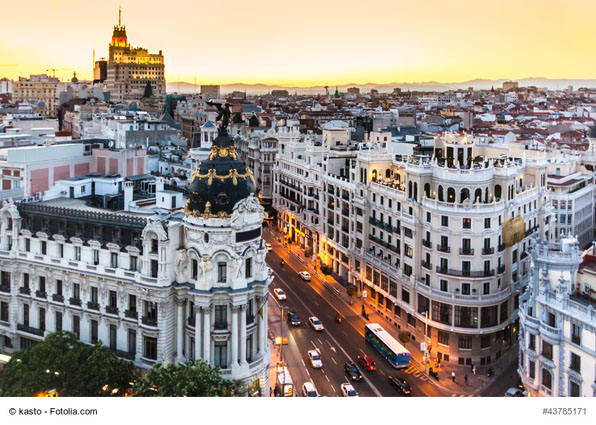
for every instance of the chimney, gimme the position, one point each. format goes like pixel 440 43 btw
pixel 128 195
pixel 159 185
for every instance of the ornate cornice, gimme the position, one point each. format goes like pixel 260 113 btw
pixel 223 152
pixel 232 174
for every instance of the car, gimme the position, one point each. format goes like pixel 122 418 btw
pixel 293 319
pixel 401 385
pixel 315 359
pixel 309 390
pixel 352 371
pixel 367 363
pixel 279 294
pixel 316 324
pixel 268 246
pixel 347 390
pixel 516 392
pixel 304 275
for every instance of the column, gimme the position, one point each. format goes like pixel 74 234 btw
pixel 197 314
pixel 243 335
pixel 180 329
pixel 263 327
pixel 234 336
pixel 207 334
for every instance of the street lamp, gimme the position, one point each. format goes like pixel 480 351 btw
pixel 281 333
pixel 425 340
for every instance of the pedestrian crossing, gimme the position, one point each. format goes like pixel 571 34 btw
pixel 417 373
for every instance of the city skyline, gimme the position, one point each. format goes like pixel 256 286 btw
pixel 317 46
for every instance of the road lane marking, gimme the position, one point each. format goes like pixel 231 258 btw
pixel 333 360
pixel 320 342
pixel 326 377
pixel 314 344
pixel 382 373
pixel 362 351
pixel 308 373
pixel 303 364
pixel 333 388
pixel 345 333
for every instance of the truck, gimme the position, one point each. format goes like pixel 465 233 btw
pixel 284 384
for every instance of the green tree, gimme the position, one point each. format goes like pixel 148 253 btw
pixel 326 270
pixel 351 291
pixel 64 363
pixel 198 379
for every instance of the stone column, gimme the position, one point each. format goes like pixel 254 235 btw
pixel 207 334
pixel 180 330
pixel 234 336
pixel 197 314
pixel 243 335
pixel 263 326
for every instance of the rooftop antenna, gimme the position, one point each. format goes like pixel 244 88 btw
pixel 119 15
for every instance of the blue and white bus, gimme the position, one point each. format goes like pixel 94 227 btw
pixel 393 351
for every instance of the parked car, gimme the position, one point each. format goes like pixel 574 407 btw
pixel 352 371
pixel 268 246
pixel 401 385
pixel 516 392
pixel 347 390
pixel 315 359
pixel 367 363
pixel 304 275
pixel 293 319
pixel 309 390
pixel 279 294
pixel 316 324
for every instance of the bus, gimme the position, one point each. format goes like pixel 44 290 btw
pixel 393 351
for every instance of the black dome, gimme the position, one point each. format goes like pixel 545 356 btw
pixel 219 182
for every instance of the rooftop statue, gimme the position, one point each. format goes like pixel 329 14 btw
pixel 223 115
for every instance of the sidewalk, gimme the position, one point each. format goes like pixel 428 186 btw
pixel 273 320
pixel 476 383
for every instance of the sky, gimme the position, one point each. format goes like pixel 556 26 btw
pixel 309 42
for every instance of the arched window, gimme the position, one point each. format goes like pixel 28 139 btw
pixel 464 194
pixel 415 191
pixel 547 379
pixel 374 175
pixel 427 190
pixel 441 195
pixel 486 195
pixel 451 195
pixel 410 189
pixel 388 173
pixel 498 191
pixel 478 195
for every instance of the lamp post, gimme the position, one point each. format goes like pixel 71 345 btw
pixel 281 333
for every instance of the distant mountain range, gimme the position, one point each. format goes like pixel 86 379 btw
pixel 477 84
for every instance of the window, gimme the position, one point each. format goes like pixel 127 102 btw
pixel 150 310
pixel 113 337
pixel 443 338
pixel 428 217
pixel 488 316
pixel 407 270
pixel 133 263
pixel 531 342
pixel 445 221
pixel 487 223
pixel 77 255
pixel 408 250
pixel 547 350
pixel 113 299
pixel 466 317
pixel 58 321
pixel 547 379
pixel 76 326
pixel 248 267
pixel 27 244
pixel 150 348
pixel 484 341
pixel 94 296
pixel 132 341
pixel 575 363
pixel 42 284
pixel 249 348
pixel 532 369
pixel 465 289
pixel 25 280
pixel 221 321
pixel 441 312
pixel 405 296
pixel 26 314
pixel 96 257
pixel 76 291
pixel 44 247
pixel 42 319
pixel 504 309
pixel 3 311
pixel 221 272
pixel 114 259
pixel 59 287
pixel 467 223
pixel 486 288
pixel 465 342
pixel 576 332
pixel 132 303
pixel 444 286
pixel 94 332
pixel 220 354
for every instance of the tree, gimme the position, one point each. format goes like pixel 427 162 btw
pixel 351 291
pixel 64 363
pixel 198 379
pixel 326 270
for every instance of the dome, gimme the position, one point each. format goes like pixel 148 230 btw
pixel 219 182
pixel 41 103
pixel 593 132
pixel 74 78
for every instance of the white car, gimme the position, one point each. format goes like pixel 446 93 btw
pixel 516 392
pixel 315 359
pixel 316 323
pixel 304 275
pixel 347 390
pixel 279 294
pixel 309 390
pixel 268 246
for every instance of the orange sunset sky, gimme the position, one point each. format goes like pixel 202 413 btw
pixel 310 42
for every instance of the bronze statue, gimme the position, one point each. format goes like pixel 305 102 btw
pixel 223 115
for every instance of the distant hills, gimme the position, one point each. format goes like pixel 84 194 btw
pixel 478 84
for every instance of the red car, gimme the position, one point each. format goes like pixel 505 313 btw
pixel 367 363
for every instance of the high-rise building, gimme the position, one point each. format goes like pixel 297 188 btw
pixel 130 69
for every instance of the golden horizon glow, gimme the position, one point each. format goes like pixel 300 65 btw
pixel 310 43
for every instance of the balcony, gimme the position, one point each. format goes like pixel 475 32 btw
pixel 466 251
pixel 427 244
pixel 5 288
pixel 426 265
pixel 396 230
pixel 29 329
pixel 41 294
pixel 465 273
pixel 25 291
pixel 443 249
pixel 92 305
pixel 123 354
pixel 501 247
pixel 488 251
pixel 75 301
pixel 112 310
pixel 149 322
pixel 501 269
pixel 58 298
pixel 131 314
pixel 550 332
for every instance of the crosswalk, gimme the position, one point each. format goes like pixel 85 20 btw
pixel 417 373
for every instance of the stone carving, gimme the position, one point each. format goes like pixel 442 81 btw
pixel 249 205
pixel 237 268
pixel 205 266
pixel 182 269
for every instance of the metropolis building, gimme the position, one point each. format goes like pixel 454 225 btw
pixel 436 243
pixel 179 285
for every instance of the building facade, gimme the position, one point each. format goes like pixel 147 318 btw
pixel 39 91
